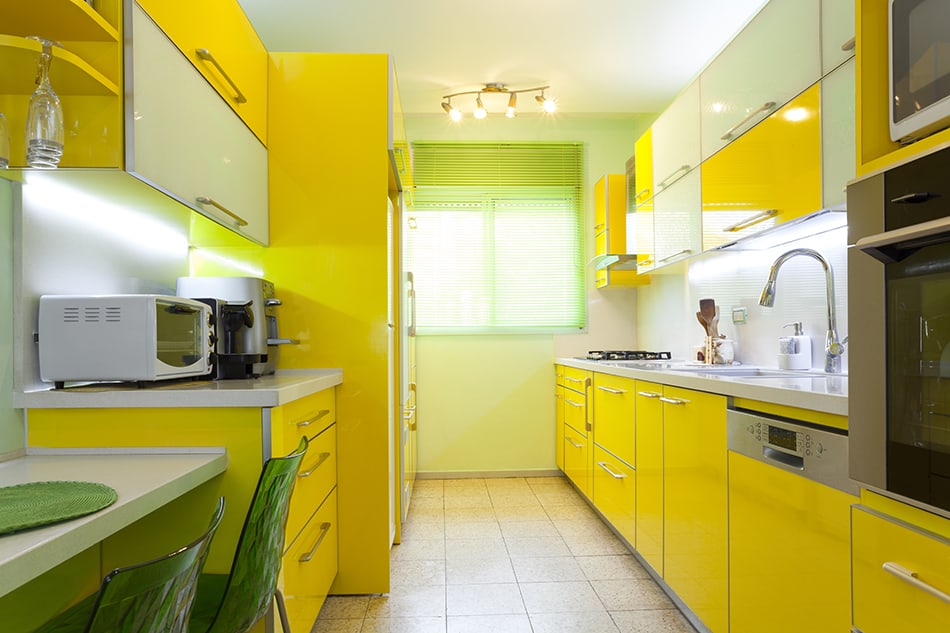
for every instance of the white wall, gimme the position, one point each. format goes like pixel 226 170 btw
pixel 11 420
pixel 486 403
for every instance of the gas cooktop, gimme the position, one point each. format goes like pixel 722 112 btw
pixel 627 355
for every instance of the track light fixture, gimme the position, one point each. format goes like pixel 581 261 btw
pixel 547 103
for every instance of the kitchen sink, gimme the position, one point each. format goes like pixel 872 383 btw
pixel 739 371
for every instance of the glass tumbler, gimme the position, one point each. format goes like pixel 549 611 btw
pixel 44 121
pixel 4 142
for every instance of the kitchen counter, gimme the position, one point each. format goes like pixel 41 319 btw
pixel 145 479
pixel 266 391
pixel 815 391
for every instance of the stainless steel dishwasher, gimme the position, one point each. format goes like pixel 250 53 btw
pixel 789 525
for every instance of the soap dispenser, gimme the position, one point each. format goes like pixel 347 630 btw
pixel 794 352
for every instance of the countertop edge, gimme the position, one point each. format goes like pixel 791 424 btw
pixel 753 389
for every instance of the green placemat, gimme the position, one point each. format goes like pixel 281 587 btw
pixel 43 502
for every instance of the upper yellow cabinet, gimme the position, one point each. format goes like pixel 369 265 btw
pixel 676 139
pixel 610 233
pixel 218 39
pixel 773 59
pixel 772 174
pixel 837 33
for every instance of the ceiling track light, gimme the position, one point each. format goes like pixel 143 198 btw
pixel 480 112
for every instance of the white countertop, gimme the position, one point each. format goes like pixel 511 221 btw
pixel 145 479
pixel 814 390
pixel 266 391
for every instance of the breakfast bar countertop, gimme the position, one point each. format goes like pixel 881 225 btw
pixel 266 391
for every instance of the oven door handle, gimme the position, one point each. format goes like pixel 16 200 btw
pixel 893 246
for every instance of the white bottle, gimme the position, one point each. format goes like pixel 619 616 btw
pixel 794 352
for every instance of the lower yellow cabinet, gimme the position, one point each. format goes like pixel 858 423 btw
pixel 577 460
pixel 900 575
pixel 649 501
pixel 614 485
pixel 559 426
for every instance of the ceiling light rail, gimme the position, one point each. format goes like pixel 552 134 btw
pixel 547 103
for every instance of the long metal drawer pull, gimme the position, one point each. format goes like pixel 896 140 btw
pixel 910 577
pixel 685 251
pixel 645 262
pixel 610 472
pixel 896 244
pixel 640 193
pixel 323 458
pixel 648 394
pixel 205 55
pixel 611 390
pixel 569 379
pixel 673 400
pixel 324 530
pixel 849 45
pixel 573 443
pixel 320 414
pixel 751 220
pixel 663 183
pixel 217 205
pixel 574 404
pixel 765 107
pixel 599 226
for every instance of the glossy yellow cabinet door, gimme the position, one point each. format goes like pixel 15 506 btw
pixel 900 575
pixel 220 41
pixel 559 426
pixel 614 420
pixel 577 413
pixel 610 229
pixel 649 460
pixel 695 553
pixel 614 486
pixel 770 175
pixel 577 456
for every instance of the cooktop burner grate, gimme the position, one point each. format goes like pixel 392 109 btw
pixel 627 355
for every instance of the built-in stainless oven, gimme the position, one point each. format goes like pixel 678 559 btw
pixel 899 324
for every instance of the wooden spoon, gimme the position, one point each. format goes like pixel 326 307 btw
pixel 702 322
pixel 714 325
pixel 707 309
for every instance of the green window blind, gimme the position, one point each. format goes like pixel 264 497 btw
pixel 494 238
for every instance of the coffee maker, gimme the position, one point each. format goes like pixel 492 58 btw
pixel 245 310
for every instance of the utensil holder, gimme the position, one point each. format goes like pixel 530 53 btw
pixel 718 351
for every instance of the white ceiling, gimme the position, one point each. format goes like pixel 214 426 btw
pixel 599 56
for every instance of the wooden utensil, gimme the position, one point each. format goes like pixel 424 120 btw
pixel 713 328
pixel 707 308
pixel 702 322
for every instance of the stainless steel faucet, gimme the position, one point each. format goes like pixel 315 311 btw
pixel 834 348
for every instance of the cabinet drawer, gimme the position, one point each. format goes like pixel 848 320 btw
pixel 614 404
pixel 577 379
pixel 577 459
pixel 306 416
pixel 316 478
pixel 614 486
pixel 885 599
pixel 575 412
pixel 310 565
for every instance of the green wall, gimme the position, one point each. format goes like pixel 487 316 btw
pixel 11 420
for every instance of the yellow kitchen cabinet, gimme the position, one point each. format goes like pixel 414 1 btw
pixel 86 74
pixel 559 405
pixel 614 415
pixel 219 40
pixel 695 508
pixel 577 412
pixel 900 570
pixel 643 201
pixel 610 232
pixel 577 460
pixel 769 175
pixel 789 537
pixel 649 460
pixel 614 492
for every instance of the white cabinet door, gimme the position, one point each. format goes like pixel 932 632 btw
pixel 771 61
pixel 837 134
pixel 837 33
pixel 183 139
pixel 677 218
pixel 676 139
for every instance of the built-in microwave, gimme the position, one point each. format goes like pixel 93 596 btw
pixel 134 337
pixel 899 327
pixel 919 67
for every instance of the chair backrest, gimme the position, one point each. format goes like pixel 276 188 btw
pixel 253 578
pixel 155 596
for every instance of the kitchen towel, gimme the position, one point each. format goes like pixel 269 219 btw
pixel 44 502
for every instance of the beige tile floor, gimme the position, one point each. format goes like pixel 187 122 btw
pixel 507 556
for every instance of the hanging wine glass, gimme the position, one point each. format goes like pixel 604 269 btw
pixel 4 142
pixel 44 121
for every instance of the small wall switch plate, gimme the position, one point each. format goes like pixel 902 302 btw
pixel 739 314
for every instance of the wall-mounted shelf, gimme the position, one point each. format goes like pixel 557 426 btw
pixel 69 74
pixel 62 20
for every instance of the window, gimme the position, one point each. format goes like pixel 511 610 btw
pixel 494 237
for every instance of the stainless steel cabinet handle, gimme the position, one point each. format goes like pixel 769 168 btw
pixel 662 184
pixel 408 413
pixel 611 390
pixel 573 443
pixel 673 400
pixel 648 394
pixel 640 193
pixel 321 459
pixel 910 577
pixel 320 414
pixel 599 226
pixel 206 56
pixel 765 107
pixel 685 251
pixel 751 220
pixel 569 379
pixel 610 472
pixel 574 404
pixel 645 262
pixel 217 205
pixel 324 530
pixel 849 45
pixel 896 244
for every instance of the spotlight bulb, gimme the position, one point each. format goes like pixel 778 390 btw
pixel 547 104
pixel 512 104
pixel 480 112
pixel 455 114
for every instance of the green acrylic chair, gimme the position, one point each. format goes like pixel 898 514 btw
pixel 235 602
pixel 151 597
